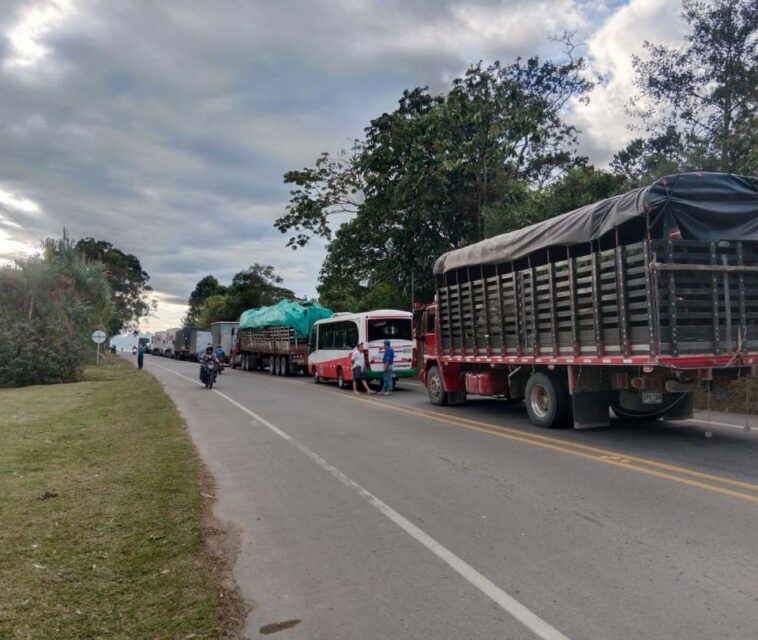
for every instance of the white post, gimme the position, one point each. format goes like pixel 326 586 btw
pixel 97 359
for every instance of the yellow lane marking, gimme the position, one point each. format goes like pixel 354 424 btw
pixel 605 456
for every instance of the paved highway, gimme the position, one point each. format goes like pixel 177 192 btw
pixel 385 517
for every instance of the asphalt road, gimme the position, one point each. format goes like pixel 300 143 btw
pixel 385 517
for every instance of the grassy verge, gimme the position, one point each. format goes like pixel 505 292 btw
pixel 736 400
pixel 102 514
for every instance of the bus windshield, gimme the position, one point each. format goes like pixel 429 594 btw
pixel 389 328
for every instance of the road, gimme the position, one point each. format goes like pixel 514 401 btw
pixel 385 517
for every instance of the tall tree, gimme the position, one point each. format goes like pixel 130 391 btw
pixel 127 278
pixel 424 177
pixel 204 289
pixel 705 92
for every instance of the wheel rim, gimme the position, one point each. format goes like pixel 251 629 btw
pixel 435 386
pixel 539 400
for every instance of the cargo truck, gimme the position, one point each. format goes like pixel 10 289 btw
pixel 169 341
pixel 276 337
pixel 158 343
pixel 188 341
pixel 632 303
pixel 224 333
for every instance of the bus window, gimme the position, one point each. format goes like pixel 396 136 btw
pixel 313 340
pixel 389 328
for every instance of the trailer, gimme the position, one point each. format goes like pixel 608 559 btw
pixel 169 341
pixel 158 343
pixel 632 303
pixel 276 337
pixel 188 341
pixel 224 333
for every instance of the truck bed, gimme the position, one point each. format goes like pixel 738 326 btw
pixel 639 302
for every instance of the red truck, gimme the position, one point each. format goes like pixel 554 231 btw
pixel 632 303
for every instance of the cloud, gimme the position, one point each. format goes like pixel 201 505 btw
pixel 610 50
pixel 165 127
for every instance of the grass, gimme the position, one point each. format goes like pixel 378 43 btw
pixel 102 514
pixel 737 399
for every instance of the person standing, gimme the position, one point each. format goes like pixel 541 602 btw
pixel 388 361
pixel 358 363
pixel 140 356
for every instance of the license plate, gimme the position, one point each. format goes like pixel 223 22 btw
pixel 652 397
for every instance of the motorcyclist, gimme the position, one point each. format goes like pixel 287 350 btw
pixel 205 358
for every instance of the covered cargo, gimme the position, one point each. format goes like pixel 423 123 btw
pixel 632 303
pixel 276 337
pixel 286 313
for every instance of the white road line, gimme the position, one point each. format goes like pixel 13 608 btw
pixel 512 606
pixel 721 424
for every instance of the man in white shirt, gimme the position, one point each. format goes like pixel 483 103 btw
pixel 358 360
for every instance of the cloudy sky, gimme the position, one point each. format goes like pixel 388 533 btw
pixel 165 127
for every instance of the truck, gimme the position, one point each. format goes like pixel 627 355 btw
pixel 158 343
pixel 633 303
pixel 188 341
pixel 276 337
pixel 169 341
pixel 224 333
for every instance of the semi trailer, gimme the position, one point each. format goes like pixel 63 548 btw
pixel 276 337
pixel 188 341
pixel 224 333
pixel 631 304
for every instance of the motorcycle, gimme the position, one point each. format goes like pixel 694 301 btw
pixel 208 373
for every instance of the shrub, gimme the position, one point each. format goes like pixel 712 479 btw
pixel 35 352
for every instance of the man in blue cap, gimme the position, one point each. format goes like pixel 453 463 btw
pixel 388 360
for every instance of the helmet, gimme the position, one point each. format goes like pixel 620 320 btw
pixel 209 349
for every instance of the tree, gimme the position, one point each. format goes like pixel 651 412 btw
pixel 424 177
pixel 702 95
pixel 204 289
pixel 128 281
pixel 256 286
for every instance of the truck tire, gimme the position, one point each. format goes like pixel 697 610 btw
pixel 285 366
pixel 434 388
pixel 632 415
pixel 547 400
pixel 272 366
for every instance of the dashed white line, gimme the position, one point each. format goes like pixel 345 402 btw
pixel 525 616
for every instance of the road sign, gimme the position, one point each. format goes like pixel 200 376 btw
pixel 98 337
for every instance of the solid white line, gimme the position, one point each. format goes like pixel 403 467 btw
pixel 521 613
pixel 721 424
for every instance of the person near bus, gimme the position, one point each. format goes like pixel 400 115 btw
pixel 388 361
pixel 358 360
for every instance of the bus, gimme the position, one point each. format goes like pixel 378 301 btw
pixel 333 339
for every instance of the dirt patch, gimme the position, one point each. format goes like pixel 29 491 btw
pixel 222 545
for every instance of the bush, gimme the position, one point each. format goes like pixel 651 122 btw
pixel 35 352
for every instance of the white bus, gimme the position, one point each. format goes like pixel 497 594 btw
pixel 333 339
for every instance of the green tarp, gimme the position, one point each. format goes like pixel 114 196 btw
pixel 286 314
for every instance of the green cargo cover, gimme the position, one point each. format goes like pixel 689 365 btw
pixel 286 313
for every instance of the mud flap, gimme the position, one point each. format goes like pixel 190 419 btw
pixel 591 409
pixel 682 409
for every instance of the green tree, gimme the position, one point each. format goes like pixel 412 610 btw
pixel 128 281
pixel 426 175
pixel 204 289
pixel 699 101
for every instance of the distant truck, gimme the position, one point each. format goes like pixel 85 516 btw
pixel 168 342
pixel 631 304
pixel 224 333
pixel 158 343
pixel 188 341
pixel 276 337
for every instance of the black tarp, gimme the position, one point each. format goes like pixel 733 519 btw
pixel 690 206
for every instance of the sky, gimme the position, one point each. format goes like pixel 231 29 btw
pixel 165 127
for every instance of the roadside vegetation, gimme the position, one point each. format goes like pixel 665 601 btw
pixel 103 532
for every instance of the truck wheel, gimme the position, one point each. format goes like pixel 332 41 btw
pixel 341 384
pixel 434 387
pixel 547 400
pixel 634 415
pixel 285 366
pixel 272 366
